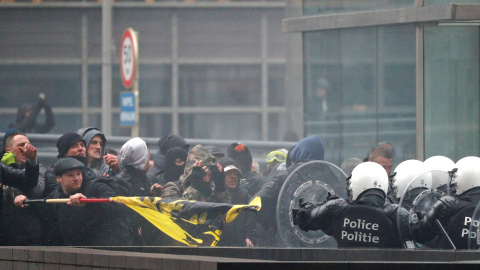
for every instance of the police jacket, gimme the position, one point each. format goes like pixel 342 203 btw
pixel 363 223
pixel 457 221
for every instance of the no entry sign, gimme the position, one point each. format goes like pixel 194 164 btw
pixel 128 57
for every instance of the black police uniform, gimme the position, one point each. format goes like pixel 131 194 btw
pixel 455 214
pixel 364 223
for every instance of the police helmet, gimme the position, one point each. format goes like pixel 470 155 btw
pixel 438 163
pixel 367 175
pixel 405 172
pixel 466 175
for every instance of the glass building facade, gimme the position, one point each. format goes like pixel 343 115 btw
pixel 206 70
pixel 390 71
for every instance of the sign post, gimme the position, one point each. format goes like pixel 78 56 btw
pixel 129 115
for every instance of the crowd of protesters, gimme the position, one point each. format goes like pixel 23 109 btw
pixel 87 168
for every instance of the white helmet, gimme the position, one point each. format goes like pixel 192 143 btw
pixel 439 166
pixel 439 163
pixel 365 176
pixel 467 175
pixel 405 172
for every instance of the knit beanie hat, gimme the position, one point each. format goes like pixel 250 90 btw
pixel 241 154
pixel 66 141
pixel 133 153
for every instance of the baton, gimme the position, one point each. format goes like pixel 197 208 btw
pixel 86 200
pixel 445 233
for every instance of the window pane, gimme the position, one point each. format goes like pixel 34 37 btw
pixel 154 85
pixel 360 89
pixel 219 33
pixel 66 123
pixel 321 7
pixel 276 81
pixel 220 85
pixel 37 33
pixel 448 2
pixel 221 126
pixel 154 29
pixel 452 91
pixel 22 84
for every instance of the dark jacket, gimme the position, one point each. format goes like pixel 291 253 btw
pixel 95 224
pixel 28 123
pixel 23 179
pixel 22 226
pixel 252 182
pixel 139 185
pixel 19 178
pixel 457 222
pixel 363 223
pixel 235 233
pixel 137 179
pixel 51 183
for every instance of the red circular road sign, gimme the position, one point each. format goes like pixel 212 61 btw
pixel 128 57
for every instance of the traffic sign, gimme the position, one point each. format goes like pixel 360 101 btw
pixel 128 112
pixel 128 58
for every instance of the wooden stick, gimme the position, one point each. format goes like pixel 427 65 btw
pixel 86 200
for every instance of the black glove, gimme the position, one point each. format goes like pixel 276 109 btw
pixel 300 214
pixel 440 210
pixel 197 181
pixel 218 178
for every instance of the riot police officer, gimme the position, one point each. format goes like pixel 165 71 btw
pixel 361 222
pixel 454 212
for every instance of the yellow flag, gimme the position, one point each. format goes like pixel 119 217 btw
pixel 165 213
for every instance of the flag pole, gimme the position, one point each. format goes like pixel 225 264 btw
pixel 66 200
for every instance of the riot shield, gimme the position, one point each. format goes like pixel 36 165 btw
pixel 311 181
pixel 474 231
pixel 418 197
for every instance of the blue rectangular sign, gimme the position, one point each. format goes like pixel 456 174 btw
pixel 127 109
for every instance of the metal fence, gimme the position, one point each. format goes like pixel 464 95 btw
pixel 47 150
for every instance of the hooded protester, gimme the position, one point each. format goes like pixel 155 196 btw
pixel 200 177
pixel 134 160
pixel 251 181
pixel 96 150
pixel 307 149
pixel 175 159
pixel 165 143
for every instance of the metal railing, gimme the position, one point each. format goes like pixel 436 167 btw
pixel 47 150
